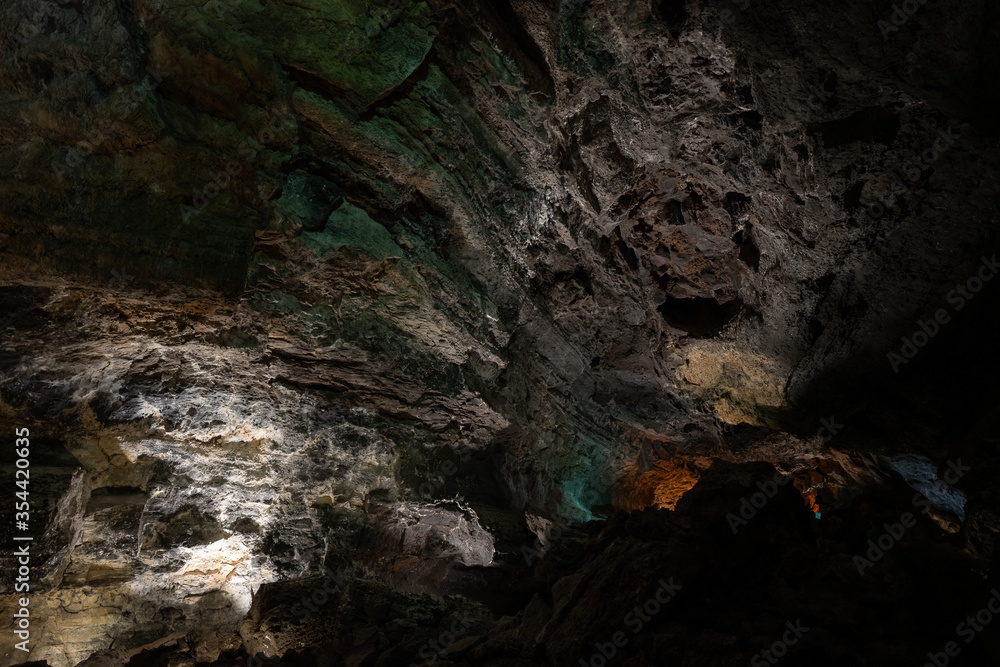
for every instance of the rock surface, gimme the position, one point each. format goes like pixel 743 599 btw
pixel 411 291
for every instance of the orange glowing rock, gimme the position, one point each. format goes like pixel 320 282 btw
pixel 661 487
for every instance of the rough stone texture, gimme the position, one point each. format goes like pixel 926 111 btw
pixel 737 591
pixel 278 279
pixel 444 530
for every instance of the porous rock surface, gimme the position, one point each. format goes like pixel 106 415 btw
pixel 384 291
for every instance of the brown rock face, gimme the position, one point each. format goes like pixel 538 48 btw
pixel 676 585
pixel 482 318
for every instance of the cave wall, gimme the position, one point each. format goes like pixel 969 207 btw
pixel 267 266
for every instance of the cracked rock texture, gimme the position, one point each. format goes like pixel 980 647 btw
pixel 401 294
